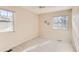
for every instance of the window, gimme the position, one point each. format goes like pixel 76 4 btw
pixel 60 22
pixel 6 20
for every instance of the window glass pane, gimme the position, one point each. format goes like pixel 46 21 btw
pixel 3 13
pixel 6 27
pixel 10 14
pixel 60 22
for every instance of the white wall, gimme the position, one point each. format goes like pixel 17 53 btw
pixel 75 27
pixel 46 31
pixel 26 28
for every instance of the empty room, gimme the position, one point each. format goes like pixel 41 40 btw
pixel 39 29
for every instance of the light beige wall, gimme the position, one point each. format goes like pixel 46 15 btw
pixel 75 10
pixel 75 27
pixel 46 31
pixel 26 28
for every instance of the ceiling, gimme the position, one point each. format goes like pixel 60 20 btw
pixel 46 9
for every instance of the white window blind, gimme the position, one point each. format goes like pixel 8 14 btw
pixel 6 20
